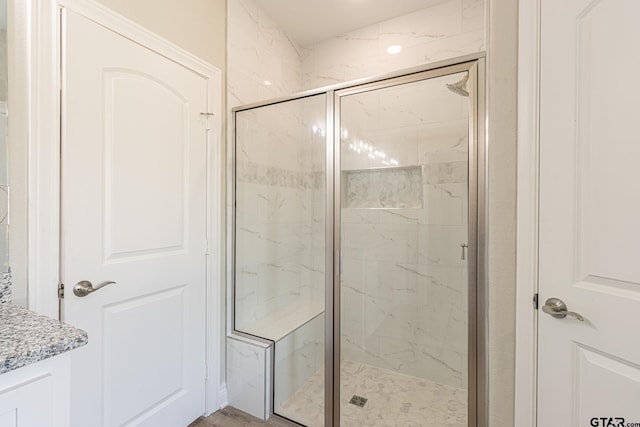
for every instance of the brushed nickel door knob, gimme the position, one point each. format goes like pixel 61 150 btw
pixel 558 309
pixel 85 287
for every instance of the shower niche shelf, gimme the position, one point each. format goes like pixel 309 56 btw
pixel 394 187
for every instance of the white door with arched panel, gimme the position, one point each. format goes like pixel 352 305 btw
pixel 133 213
pixel 589 360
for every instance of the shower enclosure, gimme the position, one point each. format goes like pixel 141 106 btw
pixel 357 240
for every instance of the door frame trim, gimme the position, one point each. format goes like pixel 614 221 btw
pixel 527 212
pixel 41 42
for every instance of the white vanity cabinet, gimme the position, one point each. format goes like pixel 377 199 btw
pixel 37 395
pixel 35 368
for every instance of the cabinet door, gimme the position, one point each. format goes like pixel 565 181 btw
pixel 36 395
pixel 28 404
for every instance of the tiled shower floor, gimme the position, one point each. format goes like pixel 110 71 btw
pixel 393 400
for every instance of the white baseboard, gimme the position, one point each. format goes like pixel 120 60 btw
pixel 222 396
pixel 217 402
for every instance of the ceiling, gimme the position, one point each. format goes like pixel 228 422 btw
pixel 310 21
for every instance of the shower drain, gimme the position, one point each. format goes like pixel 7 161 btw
pixel 358 400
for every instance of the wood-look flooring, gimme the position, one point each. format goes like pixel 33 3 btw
pixel 232 417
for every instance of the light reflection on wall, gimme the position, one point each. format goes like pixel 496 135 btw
pixel 318 130
pixel 365 148
pixel 360 146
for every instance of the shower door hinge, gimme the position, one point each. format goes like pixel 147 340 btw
pixel 61 291
pixel 206 247
pixel 535 301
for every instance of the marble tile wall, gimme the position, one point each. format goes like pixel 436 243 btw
pixel 280 201
pixel 297 357
pixel 279 219
pixel 279 168
pixel 263 62
pixel 248 376
pixel 446 30
pixel 404 284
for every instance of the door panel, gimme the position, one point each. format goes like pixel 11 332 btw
pixel 132 376
pixel 589 206
pixel 607 108
pixel 138 221
pixel 596 372
pixel 133 212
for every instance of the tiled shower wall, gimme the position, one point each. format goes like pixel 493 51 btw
pixel 264 63
pixel 280 227
pixel 446 30
pixel 278 166
pixel 259 51
pixel 279 263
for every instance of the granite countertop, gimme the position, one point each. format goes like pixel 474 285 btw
pixel 27 337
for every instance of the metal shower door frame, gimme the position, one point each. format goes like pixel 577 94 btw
pixel 474 64
pixel 477 361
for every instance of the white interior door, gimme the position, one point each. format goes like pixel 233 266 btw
pixel 589 371
pixel 133 212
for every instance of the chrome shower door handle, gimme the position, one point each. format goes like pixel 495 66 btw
pixel 558 309
pixel 85 287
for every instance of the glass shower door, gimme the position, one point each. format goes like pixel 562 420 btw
pixel 279 280
pixel 404 224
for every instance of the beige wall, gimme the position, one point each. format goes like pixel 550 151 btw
pixel 198 26
pixel 3 64
pixel 502 51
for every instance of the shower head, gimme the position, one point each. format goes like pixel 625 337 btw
pixel 459 88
